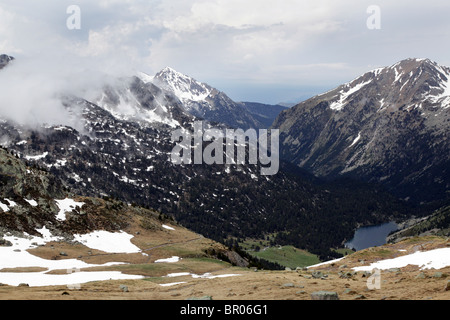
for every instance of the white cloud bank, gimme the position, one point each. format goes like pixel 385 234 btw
pixel 229 43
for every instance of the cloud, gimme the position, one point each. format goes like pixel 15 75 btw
pixel 221 41
pixel 232 35
pixel 53 61
pixel 33 90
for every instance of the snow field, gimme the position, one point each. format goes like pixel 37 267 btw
pixel 16 256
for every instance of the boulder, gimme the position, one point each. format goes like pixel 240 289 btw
pixel 5 243
pixel 324 295
pixel 200 298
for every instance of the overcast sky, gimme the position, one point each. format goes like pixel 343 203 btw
pixel 254 50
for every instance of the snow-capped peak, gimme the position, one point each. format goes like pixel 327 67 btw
pixel 183 86
pixel 146 78
pixel 411 79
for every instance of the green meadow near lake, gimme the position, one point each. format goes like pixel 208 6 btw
pixel 287 256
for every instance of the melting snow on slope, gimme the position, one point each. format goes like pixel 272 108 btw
pixel 434 259
pixel 171 284
pixel 42 156
pixel 16 256
pixel 169 260
pixel 325 263
pixel 356 140
pixel 32 202
pixel 340 103
pixel 195 276
pixel 4 207
pixel 202 276
pixel 11 203
pixel 444 98
pixel 66 205
pixel 109 242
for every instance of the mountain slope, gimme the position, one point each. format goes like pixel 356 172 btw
pixel 206 102
pixel 136 101
pixel 264 113
pixel 436 224
pixel 389 126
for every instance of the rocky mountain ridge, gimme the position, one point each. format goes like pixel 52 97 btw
pixel 389 126
pixel 205 102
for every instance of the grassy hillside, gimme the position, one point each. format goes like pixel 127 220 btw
pixel 287 256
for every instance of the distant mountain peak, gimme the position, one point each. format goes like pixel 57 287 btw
pixel 184 87
pixel 203 101
pixel 389 125
pixel 171 70
pixel 169 74
pixel 412 80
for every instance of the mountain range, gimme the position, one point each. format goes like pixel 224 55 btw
pixel 122 151
pixel 389 126
pixel 205 102
pixel 370 151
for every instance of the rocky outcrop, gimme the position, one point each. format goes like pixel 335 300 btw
pixel 324 295
pixel 236 259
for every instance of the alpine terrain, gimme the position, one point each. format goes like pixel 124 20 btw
pixel 205 102
pixel 99 194
pixel 389 126
pixel 119 144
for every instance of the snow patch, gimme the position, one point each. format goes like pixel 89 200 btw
pixel 4 207
pixel 325 263
pixel 203 276
pixel 32 202
pixel 169 260
pixel 38 157
pixel 171 284
pixel 356 140
pixel 66 205
pixel 17 256
pixel 340 103
pixel 444 97
pixel 110 242
pixel 434 259
pixel 11 203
